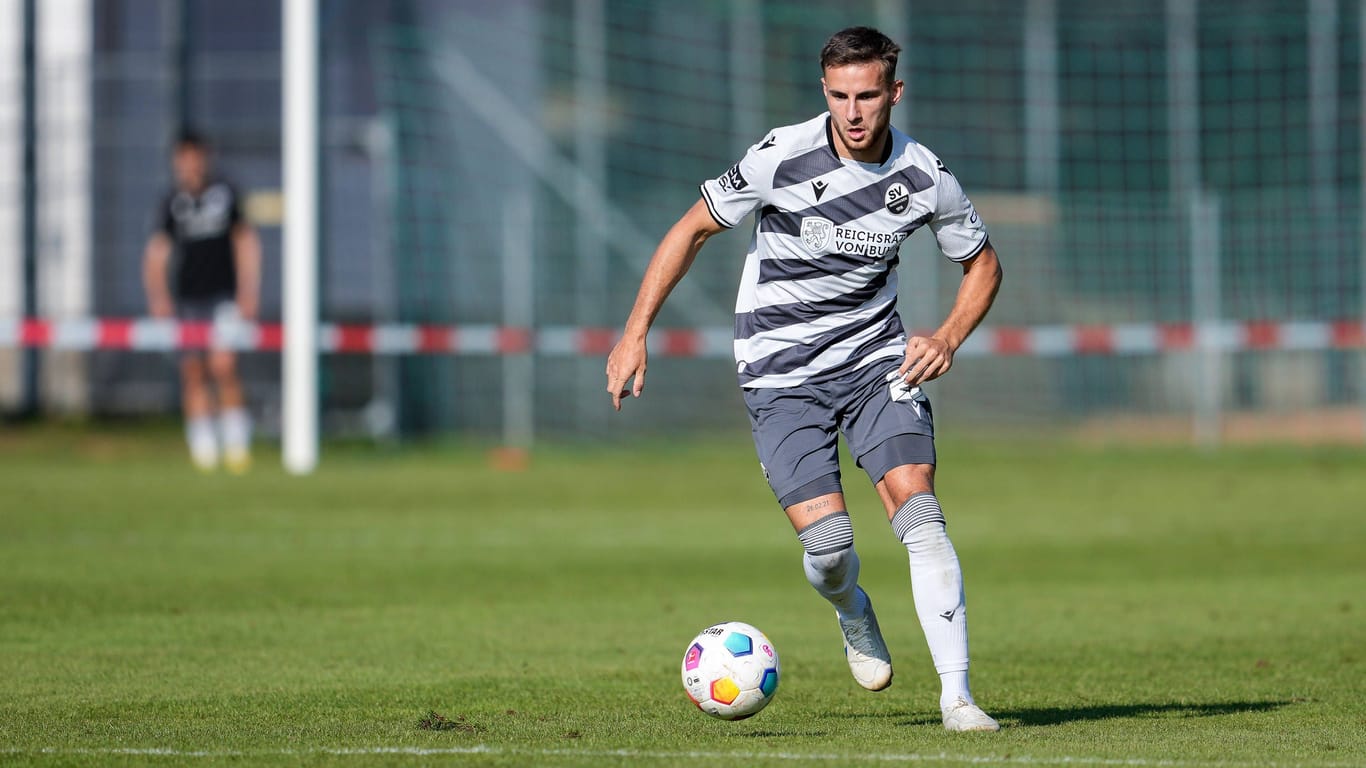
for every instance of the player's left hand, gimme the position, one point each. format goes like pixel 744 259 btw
pixel 927 358
pixel 625 364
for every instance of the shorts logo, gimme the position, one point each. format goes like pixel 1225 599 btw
pixel 733 180
pixel 897 198
pixel 817 233
pixel 901 392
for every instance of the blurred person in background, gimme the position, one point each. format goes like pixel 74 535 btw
pixel 202 264
pixel 821 350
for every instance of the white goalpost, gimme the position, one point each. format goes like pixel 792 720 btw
pixel 300 296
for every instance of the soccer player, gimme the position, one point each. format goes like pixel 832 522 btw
pixel 203 264
pixel 821 350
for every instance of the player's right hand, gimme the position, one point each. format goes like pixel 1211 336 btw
pixel 626 363
pixel 927 358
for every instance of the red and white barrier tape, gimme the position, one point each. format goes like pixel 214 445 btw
pixel 85 334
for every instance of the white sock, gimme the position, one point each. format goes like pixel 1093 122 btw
pixel 236 426
pixel 203 442
pixel 835 577
pixel 831 564
pixel 954 686
pixel 937 585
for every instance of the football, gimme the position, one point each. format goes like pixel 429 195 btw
pixel 730 670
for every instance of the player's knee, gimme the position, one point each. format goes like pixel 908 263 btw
pixel 908 480
pixel 829 557
pixel 832 573
pixel 223 366
pixel 192 370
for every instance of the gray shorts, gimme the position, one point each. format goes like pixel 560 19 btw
pixel 885 425
pixel 212 312
pixel 206 309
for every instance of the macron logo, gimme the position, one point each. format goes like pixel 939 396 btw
pixel 770 141
pixel 819 188
pixel 948 615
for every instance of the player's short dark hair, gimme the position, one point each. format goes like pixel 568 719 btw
pixel 189 138
pixel 859 45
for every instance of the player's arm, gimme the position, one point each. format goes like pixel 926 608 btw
pixel 246 254
pixel 670 262
pixel 156 259
pixel 929 357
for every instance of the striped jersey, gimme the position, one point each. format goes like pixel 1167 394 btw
pixel 818 293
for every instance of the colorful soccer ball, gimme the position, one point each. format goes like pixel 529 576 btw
pixel 730 671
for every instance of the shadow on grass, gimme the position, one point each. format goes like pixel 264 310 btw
pixel 787 734
pixel 1059 715
pixel 1041 716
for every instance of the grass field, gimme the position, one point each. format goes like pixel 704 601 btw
pixel 1143 607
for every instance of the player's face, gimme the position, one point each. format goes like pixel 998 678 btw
pixel 860 101
pixel 191 166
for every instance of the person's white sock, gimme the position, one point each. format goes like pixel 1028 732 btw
pixel 954 686
pixel 199 434
pixel 236 426
pixel 937 585
pixel 831 564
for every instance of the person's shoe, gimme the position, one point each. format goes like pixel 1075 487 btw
pixel 204 461
pixel 864 649
pixel 237 461
pixel 965 716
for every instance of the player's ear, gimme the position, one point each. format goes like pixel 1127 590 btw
pixel 898 87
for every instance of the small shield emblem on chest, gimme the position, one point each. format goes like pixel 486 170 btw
pixel 817 233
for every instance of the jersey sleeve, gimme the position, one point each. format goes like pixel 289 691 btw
pixel 735 194
pixel 956 225
pixel 165 221
pixel 234 207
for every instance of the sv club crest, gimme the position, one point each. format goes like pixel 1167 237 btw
pixel 817 233
pixel 898 200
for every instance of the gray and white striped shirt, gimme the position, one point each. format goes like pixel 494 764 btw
pixel 818 292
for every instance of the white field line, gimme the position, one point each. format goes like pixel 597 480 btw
pixel 482 749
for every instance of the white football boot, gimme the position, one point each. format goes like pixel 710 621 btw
pixel 964 716
pixel 869 660
pixel 237 460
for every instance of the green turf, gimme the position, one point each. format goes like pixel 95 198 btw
pixel 1142 605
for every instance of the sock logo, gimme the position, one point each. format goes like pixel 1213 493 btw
pixel 948 615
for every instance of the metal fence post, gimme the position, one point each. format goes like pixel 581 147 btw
pixel 1206 238
pixel 28 398
pixel 519 309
